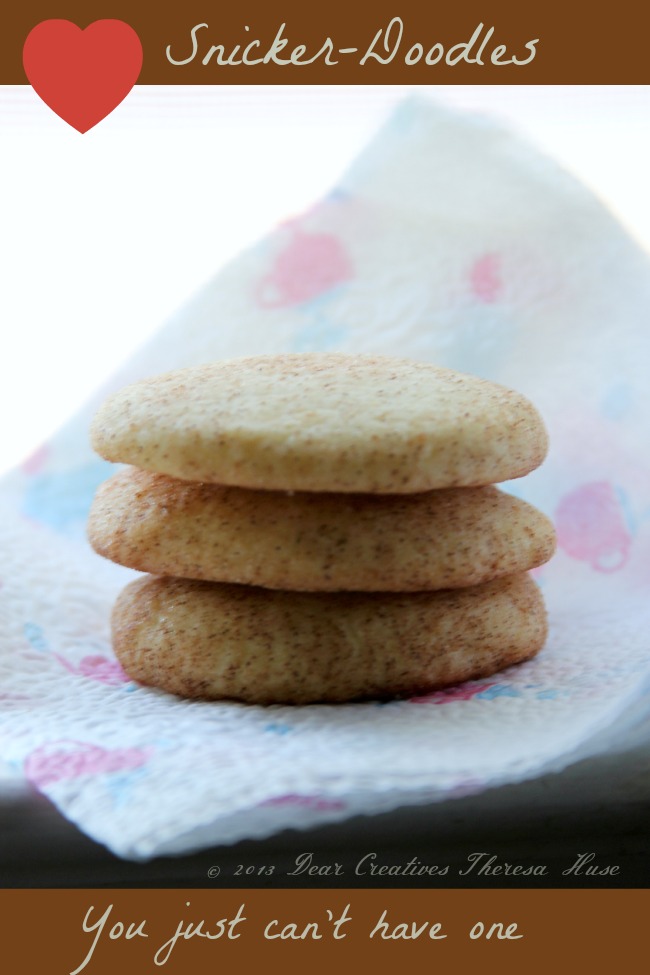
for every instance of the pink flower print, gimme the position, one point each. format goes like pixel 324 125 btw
pixel 36 461
pixel 103 669
pixel 460 692
pixel 72 759
pixel 309 265
pixel 97 667
pixel 591 527
pixel 485 278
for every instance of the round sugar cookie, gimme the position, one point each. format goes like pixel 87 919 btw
pixel 323 422
pixel 219 641
pixel 313 541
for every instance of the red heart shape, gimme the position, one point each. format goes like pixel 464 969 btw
pixel 82 74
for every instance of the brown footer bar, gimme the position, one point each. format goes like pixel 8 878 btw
pixel 200 931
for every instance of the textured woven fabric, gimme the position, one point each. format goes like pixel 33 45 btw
pixel 451 241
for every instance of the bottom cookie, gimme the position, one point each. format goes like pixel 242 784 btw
pixel 219 641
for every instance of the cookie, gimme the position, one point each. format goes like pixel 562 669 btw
pixel 262 646
pixel 312 541
pixel 323 422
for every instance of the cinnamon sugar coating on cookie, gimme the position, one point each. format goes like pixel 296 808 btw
pixel 216 641
pixel 323 422
pixel 312 541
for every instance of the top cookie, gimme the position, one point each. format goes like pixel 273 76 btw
pixel 323 422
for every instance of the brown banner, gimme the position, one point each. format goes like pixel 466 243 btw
pixel 199 931
pixel 386 42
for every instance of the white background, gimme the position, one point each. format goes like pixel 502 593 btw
pixel 104 235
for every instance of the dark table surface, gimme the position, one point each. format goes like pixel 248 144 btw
pixel 598 806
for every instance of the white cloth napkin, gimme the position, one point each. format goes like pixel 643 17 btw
pixel 449 240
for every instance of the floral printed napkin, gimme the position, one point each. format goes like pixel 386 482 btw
pixel 449 240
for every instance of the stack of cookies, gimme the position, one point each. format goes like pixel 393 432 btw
pixel 320 527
